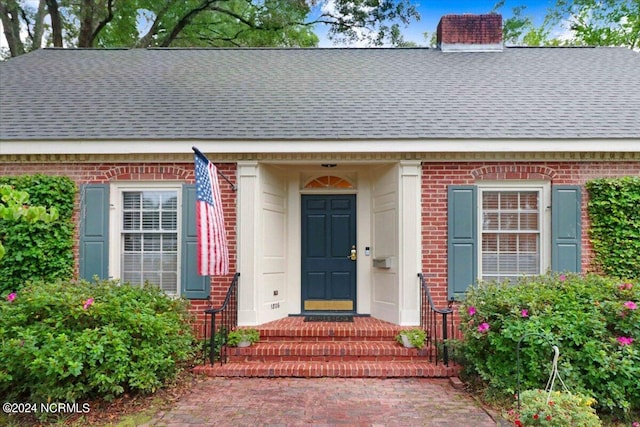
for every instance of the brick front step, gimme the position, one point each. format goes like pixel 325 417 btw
pixel 295 329
pixel 334 351
pixel 366 347
pixel 352 369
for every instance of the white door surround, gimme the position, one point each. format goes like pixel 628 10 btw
pixel 269 239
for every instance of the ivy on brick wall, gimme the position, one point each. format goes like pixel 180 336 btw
pixel 614 212
pixel 39 250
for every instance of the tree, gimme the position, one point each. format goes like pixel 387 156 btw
pixel 589 22
pixel 162 23
pixel 13 207
pixel 599 23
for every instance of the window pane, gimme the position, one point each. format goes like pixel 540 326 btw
pixel 132 242
pixel 529 221
pixel 508 243
pixel 490 221
pixel 151 263
pixel 131 200
pixel 151 220
pixel 152 242
pixel 529 200
pixel 508 200
pixel 131 220
pixel 490 200
pixel 489 263
pixel 528 243
pixel 169 201
pixel 169 220
pixel 508 221
pixel 131 262
pixel 151 200
pixel 489 242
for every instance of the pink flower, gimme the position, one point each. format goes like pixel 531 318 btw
pixel 623 287
pixel 471 311
pixel 11 296
pixel 635 424
pixel 87 303
pixel 631 305
pixel 483 327
pixel 524 313
pixel 625 340
pixel 562 278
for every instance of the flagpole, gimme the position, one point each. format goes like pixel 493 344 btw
pixel 233 186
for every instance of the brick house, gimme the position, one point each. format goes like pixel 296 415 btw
pixel 355 168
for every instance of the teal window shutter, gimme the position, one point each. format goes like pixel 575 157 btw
pixel 193 285
pixel 462 242
pixel 94 231
pixel 566 230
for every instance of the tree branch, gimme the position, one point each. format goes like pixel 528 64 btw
pixel 103 22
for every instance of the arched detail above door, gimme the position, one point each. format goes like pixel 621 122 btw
pixel 328 182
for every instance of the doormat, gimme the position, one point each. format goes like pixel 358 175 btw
pixel 329 318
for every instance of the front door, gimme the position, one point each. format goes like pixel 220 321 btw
pixel 329 253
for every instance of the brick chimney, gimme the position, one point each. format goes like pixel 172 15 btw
pixel 470 33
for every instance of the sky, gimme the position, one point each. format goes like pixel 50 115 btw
pixel 432 10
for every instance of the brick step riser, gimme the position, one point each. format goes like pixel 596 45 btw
pixel 328 370
pixel 326 338
pixel 340 351
pixel 366 358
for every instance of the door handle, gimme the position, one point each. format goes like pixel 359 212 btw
pixel 354 253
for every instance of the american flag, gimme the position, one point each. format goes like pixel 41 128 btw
pixel 213 252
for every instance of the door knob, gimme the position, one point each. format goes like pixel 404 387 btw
pixel 354 254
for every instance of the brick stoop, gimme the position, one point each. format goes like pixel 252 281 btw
pixel 290 347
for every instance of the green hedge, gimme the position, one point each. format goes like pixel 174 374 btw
pixel 614 212
pixel 69 341
pixel 39 250
pixel 595 322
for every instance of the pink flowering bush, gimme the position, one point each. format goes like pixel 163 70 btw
pixel 66 341
pixel 595 322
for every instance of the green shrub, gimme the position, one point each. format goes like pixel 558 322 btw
pixel 558 409
pixel 71 341
pixel 242 335
pixel 615 225
pixel 415 336
pixel 594 321
pixel 39 250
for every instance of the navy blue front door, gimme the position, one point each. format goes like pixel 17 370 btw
pixel 328 239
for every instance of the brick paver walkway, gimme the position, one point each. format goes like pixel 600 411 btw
pixel 325 402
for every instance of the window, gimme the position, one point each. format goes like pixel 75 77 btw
pixel 329 181
pixel 512 235
pixel 150 239
pixel 137 232
pixel 504 230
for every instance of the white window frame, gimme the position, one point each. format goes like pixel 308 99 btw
pixel 115 223
pixel 544 190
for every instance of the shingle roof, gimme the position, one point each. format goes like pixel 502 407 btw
pixel 58 94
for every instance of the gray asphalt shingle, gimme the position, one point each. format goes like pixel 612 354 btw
pixel 57 94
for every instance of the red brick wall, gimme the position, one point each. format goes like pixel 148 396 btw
pixel 83 173
pixel 436 177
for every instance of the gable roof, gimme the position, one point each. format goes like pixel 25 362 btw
pixel 317 94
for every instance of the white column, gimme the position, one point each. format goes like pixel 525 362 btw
pixel 410 239
pixel 247 242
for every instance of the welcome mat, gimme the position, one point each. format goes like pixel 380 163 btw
pixel 328 318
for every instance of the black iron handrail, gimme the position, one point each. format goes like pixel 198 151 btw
pixel 429 322
pixel 216 336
